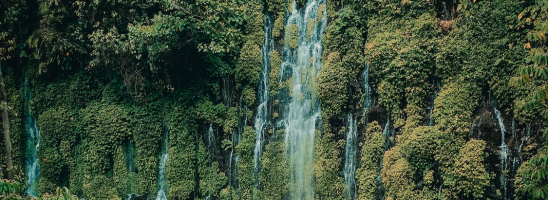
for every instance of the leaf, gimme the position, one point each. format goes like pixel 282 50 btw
pixel 498 61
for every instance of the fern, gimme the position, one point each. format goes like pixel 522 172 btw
pixel 11 188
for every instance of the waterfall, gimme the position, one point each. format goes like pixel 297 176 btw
pixel 303 112
pixel 33 142
pixel 518 159
pixel 430 121
pixel 503 151
pixel 211 142
pixel 367 103
pixel 230 164
pixel 129 156
pixel 471 132
pixel 236 137
pixel 263 96
pixel 513 128
pixel 164 157
pixel 431 109
pixel 388 133
pixel 350 158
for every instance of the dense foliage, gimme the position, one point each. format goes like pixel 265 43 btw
pixel 106 79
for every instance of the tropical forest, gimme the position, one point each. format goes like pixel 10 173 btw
pixel 273 99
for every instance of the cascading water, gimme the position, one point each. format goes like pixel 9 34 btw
pixel 33 142
pixel 518 159
pixel 350 158
pixel 368 102
pixel 513 128
pixel 263 95
pixel 231 167
pixel 129 153
pixel 303 111
pixel 211 142
pixel 164 157
pixel 471 132
pixel 503 151
pixel 388 134
pixel 431 112
pixel 236 138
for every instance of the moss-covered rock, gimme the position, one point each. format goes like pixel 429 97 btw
pixel 327 164
pixel 372 150
pixel 332 86
pixel 471 178
pixel 292 36
pixel 249 65
pixel 245 163
pixel 274 174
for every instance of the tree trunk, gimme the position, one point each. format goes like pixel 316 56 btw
pixel 6 125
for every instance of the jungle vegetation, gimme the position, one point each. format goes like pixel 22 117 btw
pixel 103 80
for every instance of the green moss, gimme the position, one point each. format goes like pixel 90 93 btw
pixel 245 163
pixel 397 176
pixel 332 84
pixel 231 120
pixel 181 168
pixel 372 148
pixel 278 28
pixel 146 134
pixel 254 29
pixel 121 174
pixel 312 86
pixel 453 109
pixel 292 36
pixel 209 112
pixel 401 56
pixel 74 93
pixel 105 126
pixel 57 138
pixel 250 96
pixel 471 159
pixel 274 174
pixel 99 187
pixel 321 11
pixel 454 106
pixel 276 6
pixel 310 27
pixel 327 165
pixel 289 84
pixel 211 178
pixel 418 148
pixel 390 96
pixel 248 69
pixel 275 65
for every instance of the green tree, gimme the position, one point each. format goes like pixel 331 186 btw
pixel 12 13
pixel 531 178
pixel 536 68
